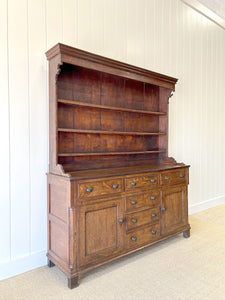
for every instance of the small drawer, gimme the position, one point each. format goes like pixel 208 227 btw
pixel 98 188
pixel 174 177
pixel 144 217
pixel 143 200
pixel 142 236
pixel 147 181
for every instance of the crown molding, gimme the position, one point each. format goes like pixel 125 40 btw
pixel 205 11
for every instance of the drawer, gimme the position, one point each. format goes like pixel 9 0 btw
pixel 144 200
pixel 144 217
pixel 98 188
pixel 146 181
pixel 143 236
pixel 174 177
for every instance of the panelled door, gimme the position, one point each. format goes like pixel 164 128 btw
pixel 174 211
pixel 100 232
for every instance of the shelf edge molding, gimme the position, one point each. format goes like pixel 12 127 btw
pixel 83 104
pixel 109 153
pixel 109 132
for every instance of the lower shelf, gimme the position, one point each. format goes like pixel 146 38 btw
pixel 110 153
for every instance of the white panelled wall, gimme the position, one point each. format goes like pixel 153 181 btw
pixel 165 36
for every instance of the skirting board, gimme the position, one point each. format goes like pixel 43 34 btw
pixel 195 208
pixel 24 264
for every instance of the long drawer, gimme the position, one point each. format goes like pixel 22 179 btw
pixel 98 188
pixel 144 217
pixel 142 236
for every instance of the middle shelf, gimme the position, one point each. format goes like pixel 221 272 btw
pixel 112 108
pixel 111 153
pixel 109 132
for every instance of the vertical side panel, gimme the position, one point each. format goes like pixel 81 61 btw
pixel 150 32
pixel 131 31
pixel 140 34
pixel 109 29
pixel 38 129
pixel 19 128
pixel 84 24
pixel 69 8
pixel 120 30
pixel 59 227
pixel 54 22
pixel 4 149
pixel 97 26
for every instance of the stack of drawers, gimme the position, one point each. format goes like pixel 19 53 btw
pixel 142 210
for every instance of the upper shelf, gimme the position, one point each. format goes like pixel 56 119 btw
pixel 108 132
pixel 77 103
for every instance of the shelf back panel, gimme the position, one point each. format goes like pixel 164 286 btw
pixel 134 131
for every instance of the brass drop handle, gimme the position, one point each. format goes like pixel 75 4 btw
pixel 152 180
pixel 153 197
pixel 181 175
pixel 89 190
pixel 121 220
pixel 133 202
pixel 134 239
pixel 134 220
pixel 154 215
pixel 153 232
pixel 163 209
pixel 115 186
pixel 133 183
pixel 167 178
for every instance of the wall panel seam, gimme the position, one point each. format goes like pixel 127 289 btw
pixel 29 123
pixel 9 124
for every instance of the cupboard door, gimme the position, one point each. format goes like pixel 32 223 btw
pixel 174 210
pixel 100 232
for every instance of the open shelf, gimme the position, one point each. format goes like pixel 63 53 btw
pixel 77 103
pixel 110 153
pixel 106 120
pixel 108 132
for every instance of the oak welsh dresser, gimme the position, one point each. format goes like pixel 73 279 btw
pixel 112 189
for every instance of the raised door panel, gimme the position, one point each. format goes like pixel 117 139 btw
pixel 100 232
pixel 174 210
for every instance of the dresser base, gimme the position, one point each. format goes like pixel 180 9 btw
pixel 73 279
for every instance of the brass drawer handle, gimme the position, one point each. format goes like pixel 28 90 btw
pixel 153 197
pixel 133 183
pixel 153 232
pixel 134 239
pixel 181 175
pixel 121 220
pixel 154 215
pixel 115 186
pixel 163 209
pixel 134 220
pixel 89 190
pixel 133 202
pixel 153 180
pixel 167 178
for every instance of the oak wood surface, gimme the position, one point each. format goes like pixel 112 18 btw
pixel 112 189
pixel 135 202
pixel 137 219
pixel 77 103
pixel 142 236
pixel 100 233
